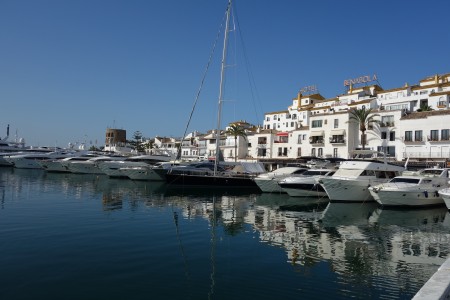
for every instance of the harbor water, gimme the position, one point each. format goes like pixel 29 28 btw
pixel 70 236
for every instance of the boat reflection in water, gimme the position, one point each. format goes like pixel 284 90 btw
pixel 346 250
pixel 409 217
pixel 338 214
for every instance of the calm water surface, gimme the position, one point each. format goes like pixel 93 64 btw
pixel 69 236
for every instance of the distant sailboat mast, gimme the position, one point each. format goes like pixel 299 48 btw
pixel 222 74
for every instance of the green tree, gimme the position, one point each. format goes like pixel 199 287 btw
pixel 365 118
pixel 236 131
pixel 137 141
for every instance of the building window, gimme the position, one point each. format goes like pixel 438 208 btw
pixel 316 123
pixel 299 152
pixel 387 121
pixel 262 152
pixel 445 134
pixel 408 136
pixel 294 116
pixel 299 139
pixel 313 152
pixel 383 135
pixel 418 135
pixel 434 135
pixel 336 123
pixel 392 136
pixel 320 152
pixel 335 152
pixel 292 124
pixel 389 150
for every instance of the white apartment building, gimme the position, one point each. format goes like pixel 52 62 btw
pixel 316 126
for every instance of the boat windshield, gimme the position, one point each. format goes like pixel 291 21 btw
pixel 405 180
pixel 431 172
pixel 315 172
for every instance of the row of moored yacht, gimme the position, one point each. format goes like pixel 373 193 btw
pixel 361 181
pixel 134 167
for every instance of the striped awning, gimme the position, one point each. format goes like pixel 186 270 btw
pixel 337 132
pixel 282 134
pixel 317 133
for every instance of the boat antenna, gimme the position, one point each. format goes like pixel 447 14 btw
pixel 221 86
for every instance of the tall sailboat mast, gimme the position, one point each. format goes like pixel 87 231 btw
pixel 222 75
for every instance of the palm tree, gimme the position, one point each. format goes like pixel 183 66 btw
pixel 236 130
pixel 365 118
pixel 424 107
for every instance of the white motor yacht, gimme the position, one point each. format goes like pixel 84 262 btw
pixel 61 165
pixel 31 160
pixel 445 194
pixel 90 166
pixel 306 185
pixel 268 182
pixel 351 181
pixel 412 190
pixel 114 168
pixel 145 172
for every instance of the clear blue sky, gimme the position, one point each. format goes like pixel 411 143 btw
pixel 70 69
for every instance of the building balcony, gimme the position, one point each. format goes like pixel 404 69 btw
pixel 337 140
pixel 319 142
pixel 409 141
pixel 261 146
pixel 437 140
pixel 387 124
pixel 282 155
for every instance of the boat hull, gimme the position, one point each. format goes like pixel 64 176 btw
pixel 407 198
pixel 141 173
pixel 210 180
pixel 344 190
pixel 445 194
pixel 304 190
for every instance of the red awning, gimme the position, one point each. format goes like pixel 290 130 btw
pixel 282 134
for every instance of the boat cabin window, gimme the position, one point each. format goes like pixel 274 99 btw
pixel 406 180
pixel 301 171
pixel 368 173
pixel 385 174
pixel 315 172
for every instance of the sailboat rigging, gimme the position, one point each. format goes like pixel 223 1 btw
pixel 221 86
pixel 203 176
